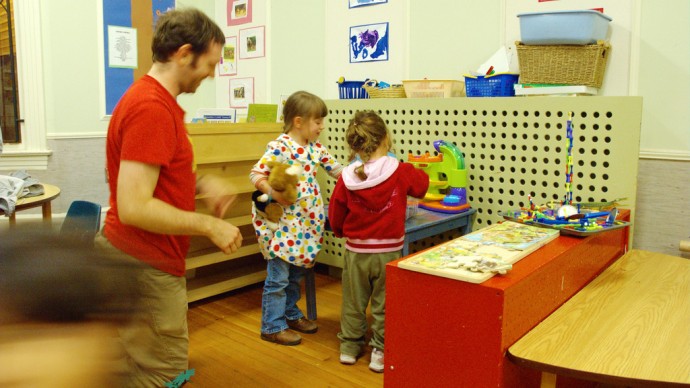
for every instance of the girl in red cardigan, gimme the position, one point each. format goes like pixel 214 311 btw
pixel 368 208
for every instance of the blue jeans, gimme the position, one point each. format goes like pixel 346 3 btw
pixel 281 293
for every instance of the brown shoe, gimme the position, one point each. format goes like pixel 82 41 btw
pixel 285 337
pixel 303 325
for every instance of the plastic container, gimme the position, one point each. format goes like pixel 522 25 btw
pixel 563 27
pixel 349 90
pixel 496 85
pixel 431 88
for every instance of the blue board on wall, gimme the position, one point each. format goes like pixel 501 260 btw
pixel 117 80
pixel 119 13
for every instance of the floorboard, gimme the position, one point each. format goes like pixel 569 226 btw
pixel 225 348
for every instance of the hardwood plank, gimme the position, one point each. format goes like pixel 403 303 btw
pixel 225 348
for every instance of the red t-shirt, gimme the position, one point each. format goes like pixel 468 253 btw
pixel 147 126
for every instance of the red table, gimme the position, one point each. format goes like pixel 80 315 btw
pixel 445 332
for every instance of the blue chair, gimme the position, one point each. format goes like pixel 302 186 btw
pixel 82 222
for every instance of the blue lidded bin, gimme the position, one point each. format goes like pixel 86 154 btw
pixel 563 27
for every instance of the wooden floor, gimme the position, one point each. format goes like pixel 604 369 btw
pixel 225 348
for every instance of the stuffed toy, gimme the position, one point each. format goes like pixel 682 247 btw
pixel 282 178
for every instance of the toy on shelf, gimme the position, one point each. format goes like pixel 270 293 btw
pixel 447 178
pixel 570 218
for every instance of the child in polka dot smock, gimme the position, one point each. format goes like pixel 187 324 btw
pixel 294 244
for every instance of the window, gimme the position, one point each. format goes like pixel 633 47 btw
pixel 32 152
pixel 9 107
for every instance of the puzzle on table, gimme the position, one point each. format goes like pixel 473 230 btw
pixel 478 256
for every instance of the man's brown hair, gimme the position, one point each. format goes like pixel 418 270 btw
pixel 178 27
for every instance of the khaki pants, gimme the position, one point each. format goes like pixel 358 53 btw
pixel 155 340
pixel 364 279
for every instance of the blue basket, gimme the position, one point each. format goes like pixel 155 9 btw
pixel 499 85
pixel 349 90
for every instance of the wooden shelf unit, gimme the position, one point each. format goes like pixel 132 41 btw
pixel 229 151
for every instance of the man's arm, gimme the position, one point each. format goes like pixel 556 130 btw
pixel 137 207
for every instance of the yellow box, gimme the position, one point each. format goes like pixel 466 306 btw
pixel 430 88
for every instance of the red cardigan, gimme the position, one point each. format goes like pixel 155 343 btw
pixel 370 214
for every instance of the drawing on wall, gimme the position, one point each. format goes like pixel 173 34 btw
pixel 228 61
pixel 359 3
pixel 122 47
pixel 239 12
pixel 369 43
pixel 160 7
pixel 241 92
pixel 252 42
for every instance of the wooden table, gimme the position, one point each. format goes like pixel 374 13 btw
pixel 50 193
pixel 629 326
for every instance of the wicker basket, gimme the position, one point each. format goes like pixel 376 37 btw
pixel 394 91
pixel 563 64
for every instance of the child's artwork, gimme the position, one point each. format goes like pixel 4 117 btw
pixel 241 92
pixel 228 61
pixel 478 256
pixel 369 43
pixel 239 12
pixel 359 3
pixel 252 42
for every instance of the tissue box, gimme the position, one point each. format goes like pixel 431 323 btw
pixel 563 27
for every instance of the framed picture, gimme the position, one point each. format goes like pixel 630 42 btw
pixel 228 60
pixel 241 92
pixel 360 3
pixel 239 12
pixel 252 42
pixel 369 42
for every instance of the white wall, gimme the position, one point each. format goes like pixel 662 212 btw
pixel 72 67
pixel 664 78
pixel 307 48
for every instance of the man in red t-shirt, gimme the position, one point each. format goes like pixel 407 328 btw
pixel 152 190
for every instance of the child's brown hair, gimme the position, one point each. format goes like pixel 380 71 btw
pixel 364 136
pixel 302 104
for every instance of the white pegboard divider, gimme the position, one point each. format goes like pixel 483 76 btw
pixel 512 147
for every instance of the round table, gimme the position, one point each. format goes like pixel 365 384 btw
pixel 50 193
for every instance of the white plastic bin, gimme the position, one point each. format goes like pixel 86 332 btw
pixel 563 27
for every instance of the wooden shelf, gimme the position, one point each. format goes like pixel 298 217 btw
pixel 229 151
pixel 200 288
pixel 214 256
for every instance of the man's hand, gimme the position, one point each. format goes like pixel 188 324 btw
pixel 217 193
pixel 226 236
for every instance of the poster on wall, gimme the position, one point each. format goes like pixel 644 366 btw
pixel 239 12
pixel 122 47
pixel 228 61
pixel 252 42
pixel 360 3
pixel 241 92
pixel 369 42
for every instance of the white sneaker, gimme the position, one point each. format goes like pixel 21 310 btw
pixel 347 359
pixel 376 363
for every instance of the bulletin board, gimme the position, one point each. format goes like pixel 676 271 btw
pixel 136 18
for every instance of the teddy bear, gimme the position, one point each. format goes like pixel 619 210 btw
pixel 282 178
